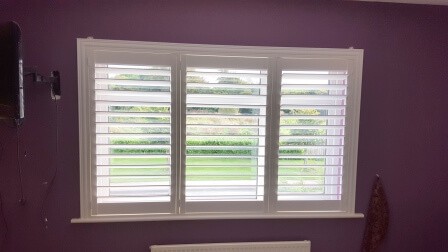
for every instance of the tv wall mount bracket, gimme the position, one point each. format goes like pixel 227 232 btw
pixel 54 80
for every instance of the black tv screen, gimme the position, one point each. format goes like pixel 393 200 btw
pixel 11 72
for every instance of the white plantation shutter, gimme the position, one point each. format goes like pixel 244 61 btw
pixel 225 133
pixel 177 131
pixel 313 121
pixel 133 127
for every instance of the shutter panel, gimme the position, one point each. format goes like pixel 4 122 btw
pixel 133 128
pixel 225 133
pixel 312 133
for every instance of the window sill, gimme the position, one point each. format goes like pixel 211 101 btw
pixel 138 218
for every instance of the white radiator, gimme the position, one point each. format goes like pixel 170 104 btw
pixel 289 246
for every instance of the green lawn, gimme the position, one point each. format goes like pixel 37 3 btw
pixel 230 169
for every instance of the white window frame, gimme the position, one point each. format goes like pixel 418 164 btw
pixel 86 50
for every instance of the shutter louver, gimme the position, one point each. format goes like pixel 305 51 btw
pixel 133 137
pixel 225 137
pixel 312 131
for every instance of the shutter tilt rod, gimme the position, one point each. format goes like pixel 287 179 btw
pixel 54 80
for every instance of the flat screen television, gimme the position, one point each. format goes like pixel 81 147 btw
pixel 11 72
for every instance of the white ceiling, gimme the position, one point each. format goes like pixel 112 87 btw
pixel 432 2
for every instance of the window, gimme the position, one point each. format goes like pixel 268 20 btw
pixel 178 131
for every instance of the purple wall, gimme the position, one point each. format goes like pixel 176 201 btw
pixel 403 134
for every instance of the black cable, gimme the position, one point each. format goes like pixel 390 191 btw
pixel 5 223
pixel 49 185
pixel 22 200
pixel 2 212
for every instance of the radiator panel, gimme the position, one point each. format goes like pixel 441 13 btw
pixel 290 246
